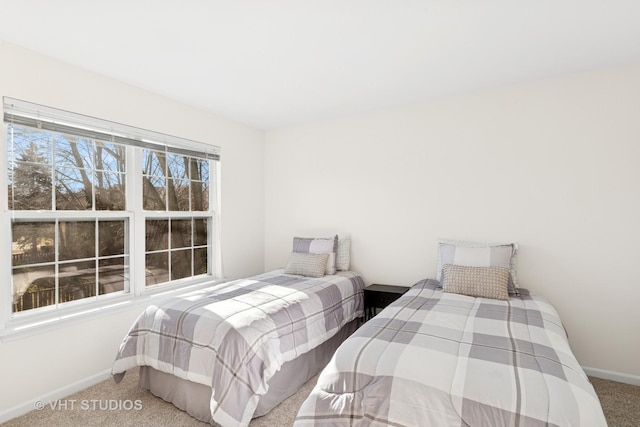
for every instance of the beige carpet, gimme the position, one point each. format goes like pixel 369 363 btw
pixel 621 404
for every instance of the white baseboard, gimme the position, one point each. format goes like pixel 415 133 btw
pixel 613 376
pixel 60 393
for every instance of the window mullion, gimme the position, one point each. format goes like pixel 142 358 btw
pixel 215 246
pixel 56 250
pixel 96 259
pixel 6 293
pixel 52 168
pixel 137 225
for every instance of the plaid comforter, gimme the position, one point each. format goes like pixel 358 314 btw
pixel 235 336
pixel 439 359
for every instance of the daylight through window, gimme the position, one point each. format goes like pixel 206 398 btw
pixel 73 195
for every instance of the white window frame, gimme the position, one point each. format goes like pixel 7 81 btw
pixel 28 322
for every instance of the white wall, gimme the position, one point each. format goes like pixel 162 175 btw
pixel 34 366
pixel 552 164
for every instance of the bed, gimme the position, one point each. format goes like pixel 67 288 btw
pixel 435 357
pixel 233 351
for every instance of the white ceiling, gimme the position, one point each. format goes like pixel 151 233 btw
pixel 273 63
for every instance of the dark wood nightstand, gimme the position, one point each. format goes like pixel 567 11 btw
pixel 380 296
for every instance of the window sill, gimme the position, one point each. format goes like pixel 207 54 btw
pixel 36 324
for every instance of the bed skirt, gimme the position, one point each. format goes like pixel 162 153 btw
pixel 194 398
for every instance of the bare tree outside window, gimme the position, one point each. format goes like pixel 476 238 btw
pixel 176 248
pixel 72 210
pixel 56 262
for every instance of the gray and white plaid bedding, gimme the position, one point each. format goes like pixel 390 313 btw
pixel 440 359
pixel 235 336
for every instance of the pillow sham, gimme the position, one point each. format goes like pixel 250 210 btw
pixel 343 256
pixel 314 245
pixel 479 254
pixel 485 282
pixel 306 264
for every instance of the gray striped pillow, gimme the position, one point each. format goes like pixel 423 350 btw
pixel 485 282
pixel 311 265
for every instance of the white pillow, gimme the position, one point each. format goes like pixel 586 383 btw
pixel 343 257
pixel 479 254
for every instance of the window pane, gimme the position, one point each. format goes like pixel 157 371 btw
pixel 73 189
pixel 110 191
pixel 110 157
pixel 153 193
pixel 178 194
pixel 199 200
pixel 30 145
pixel 180 264
pixel 157 268
pixel 200 261
pixel 113 275
pixel 153 163
pixel 177 166
pixel 156 235
pixel 205 196
pixel 74 152
pixel 199 169
pixel 77 280
pixel 111 238
pixel 77 240
pixel 33 287
pixel 30 187
pixel 200 232
pixel 180 233
pixel 32 243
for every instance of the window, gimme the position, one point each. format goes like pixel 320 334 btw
pixel 73 209
pixel 176 246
